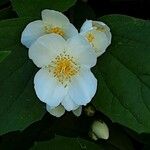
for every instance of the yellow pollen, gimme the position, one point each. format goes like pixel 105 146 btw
pixel 63 68
pixel 90 37
pixel 56 30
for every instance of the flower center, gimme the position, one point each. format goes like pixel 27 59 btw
pixel 64 68
pixel 56 30
pixel 90 37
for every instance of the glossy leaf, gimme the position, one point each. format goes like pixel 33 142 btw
pixel 30 8
pixel 123 73
pixel 3 55
pixel 19 106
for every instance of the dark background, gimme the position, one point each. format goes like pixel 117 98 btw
pixel 94 9
pixel 136 8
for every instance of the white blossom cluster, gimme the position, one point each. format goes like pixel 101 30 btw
pixel 65 58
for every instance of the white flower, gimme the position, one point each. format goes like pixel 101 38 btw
pixel 97 34
pixel 65 77
pixel 52 22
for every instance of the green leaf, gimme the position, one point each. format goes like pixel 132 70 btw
pixel 11 33
pixel 30 8
pixel 3 55
pixel 19 106
pixel 65 143
pixel 123 73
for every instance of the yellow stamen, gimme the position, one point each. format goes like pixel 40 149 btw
pixel 56 30
pixel 64 68
pixel 90 37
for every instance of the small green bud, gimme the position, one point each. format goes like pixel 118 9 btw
pixel 99 129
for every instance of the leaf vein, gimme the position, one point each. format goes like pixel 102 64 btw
pixel 113 93
pixel 134 75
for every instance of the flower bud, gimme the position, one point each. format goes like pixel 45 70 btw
pixel 97 34
pixel 99 130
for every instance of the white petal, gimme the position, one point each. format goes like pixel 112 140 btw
pixel 54 18
pixel 70 31
pixel 69 104
pixel 87 25
pixel 101 26
pixel 46 48
pixel 47 88
pixel 102 35
pixel 78 111
pixel 80 49
pixel 57 111
pixel 83 87
pixel 106 29
pixel 32 32
pixel 100 42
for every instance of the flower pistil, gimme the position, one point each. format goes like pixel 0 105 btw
pixel 64 68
